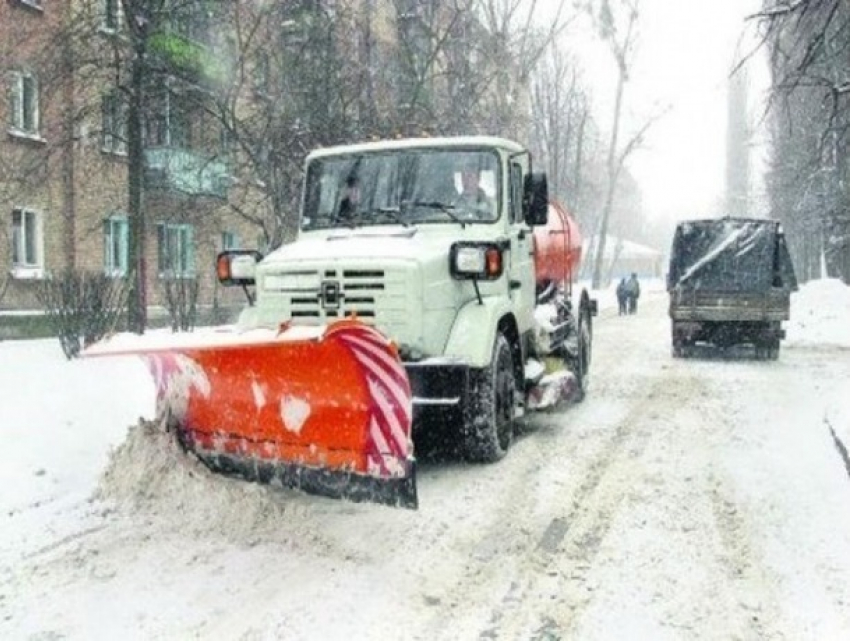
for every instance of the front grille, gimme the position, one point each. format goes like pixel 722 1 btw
pixel 326 294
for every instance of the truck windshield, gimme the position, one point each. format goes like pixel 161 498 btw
pixel 402 187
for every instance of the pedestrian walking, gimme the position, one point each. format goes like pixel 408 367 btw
pixel 633 293
pixel 622 297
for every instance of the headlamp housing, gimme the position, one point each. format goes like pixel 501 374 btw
pixel 476 260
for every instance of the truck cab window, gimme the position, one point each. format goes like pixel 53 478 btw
pixel 515 204
pixel 407 186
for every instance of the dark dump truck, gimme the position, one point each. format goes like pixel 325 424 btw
pixel 730 282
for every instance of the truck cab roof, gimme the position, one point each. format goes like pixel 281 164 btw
pixel 419 143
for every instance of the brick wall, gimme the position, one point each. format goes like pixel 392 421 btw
pixel 72 183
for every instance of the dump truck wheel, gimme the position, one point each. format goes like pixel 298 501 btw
pixel 773 349
pixel 489 420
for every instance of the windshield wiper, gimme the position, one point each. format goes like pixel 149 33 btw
pixel 443 207
pixel 394 213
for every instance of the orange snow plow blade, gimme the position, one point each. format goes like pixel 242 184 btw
pixel 327 410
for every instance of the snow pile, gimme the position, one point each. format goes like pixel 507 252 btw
pixel 149 474
pixel 819 313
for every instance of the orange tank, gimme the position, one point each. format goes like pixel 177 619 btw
pixel 557 247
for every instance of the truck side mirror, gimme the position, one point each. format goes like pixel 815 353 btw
pixel 535 201
pixel 237 266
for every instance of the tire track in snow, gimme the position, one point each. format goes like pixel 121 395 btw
pixel 556 588
pixel 743 568
pixel 525 551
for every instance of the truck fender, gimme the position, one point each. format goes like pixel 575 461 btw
pixel 474 330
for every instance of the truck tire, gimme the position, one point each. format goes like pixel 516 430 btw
pixel 489 411
pixel 773 350
pixel 581 362
pixel 681 347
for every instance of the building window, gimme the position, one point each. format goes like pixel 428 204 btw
pixel 110 15
pixel 114 125
pixel 169 121
pixel 26 243
pixel 116 235
pixel 176 250
pixel 23 102
pixel 229 240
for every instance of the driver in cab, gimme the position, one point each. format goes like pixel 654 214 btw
pixel 473 202
pixel 349 204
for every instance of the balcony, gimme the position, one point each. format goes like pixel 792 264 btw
pixel 190 58
pixel 185 171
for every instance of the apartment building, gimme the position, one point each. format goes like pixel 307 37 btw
pixel 64 162
pixel 296 74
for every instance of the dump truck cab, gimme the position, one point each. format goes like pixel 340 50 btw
pixel 730 282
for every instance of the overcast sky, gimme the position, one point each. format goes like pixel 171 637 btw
pixel 686 50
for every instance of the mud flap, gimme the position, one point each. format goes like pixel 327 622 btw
pixel 327 410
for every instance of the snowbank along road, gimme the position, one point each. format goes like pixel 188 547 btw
pixel 684 499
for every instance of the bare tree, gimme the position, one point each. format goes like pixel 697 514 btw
pixel 324 76
pixel 618 27
pixel 563 132
pixel 808 182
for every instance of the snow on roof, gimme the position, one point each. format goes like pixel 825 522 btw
pixel 629 248
pixel 409 143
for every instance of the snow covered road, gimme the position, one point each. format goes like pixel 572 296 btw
pixel 684 499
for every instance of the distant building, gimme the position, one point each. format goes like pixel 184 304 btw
pixel 624 257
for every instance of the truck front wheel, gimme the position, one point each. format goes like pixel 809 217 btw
pixel 489 411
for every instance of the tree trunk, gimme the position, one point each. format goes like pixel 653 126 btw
pixel 613 171
pixel 137 301
pixel 69 207
pixel 577 195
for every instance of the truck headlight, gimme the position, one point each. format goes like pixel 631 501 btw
pixel 479 261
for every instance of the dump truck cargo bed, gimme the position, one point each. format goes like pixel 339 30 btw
pixel 707 305
pixel 730 282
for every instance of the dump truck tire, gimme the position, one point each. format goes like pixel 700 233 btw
pixel 489 416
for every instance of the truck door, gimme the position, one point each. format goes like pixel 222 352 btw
pixel 522 281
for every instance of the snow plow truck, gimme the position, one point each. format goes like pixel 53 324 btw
pixel 432 279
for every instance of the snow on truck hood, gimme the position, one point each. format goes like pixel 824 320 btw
pixel 366 243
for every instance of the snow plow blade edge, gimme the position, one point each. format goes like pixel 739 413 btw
pixel 326 410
